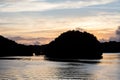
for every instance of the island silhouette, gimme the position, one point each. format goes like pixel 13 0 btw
pixel 74 45
pixel 11 48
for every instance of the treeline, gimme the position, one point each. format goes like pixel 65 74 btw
pixel 112 46
pixel 11 48
pixel 74 45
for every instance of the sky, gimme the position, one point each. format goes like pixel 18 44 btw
pixel 41 21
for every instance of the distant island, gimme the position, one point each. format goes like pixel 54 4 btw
pixel 69 45
pixel 111 47
pixel 11 48
pixel 74 45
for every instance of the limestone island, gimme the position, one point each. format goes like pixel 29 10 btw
pixel 74 44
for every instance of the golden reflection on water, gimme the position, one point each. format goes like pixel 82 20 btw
pixel 36 68
pixel 108 68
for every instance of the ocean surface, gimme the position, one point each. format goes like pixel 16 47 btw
pixel 37 68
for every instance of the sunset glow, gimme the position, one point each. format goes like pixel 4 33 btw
pixel 40 21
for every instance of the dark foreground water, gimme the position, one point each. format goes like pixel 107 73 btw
pixel 36 68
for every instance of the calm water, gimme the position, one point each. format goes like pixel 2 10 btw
pixel 36 68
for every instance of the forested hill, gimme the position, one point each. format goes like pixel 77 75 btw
pixel 112 46
pixel 11 48
pixel 74 44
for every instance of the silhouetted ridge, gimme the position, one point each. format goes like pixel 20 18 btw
pixel 111 47
pixel 74 45
pixel 11 48
pixel 4 41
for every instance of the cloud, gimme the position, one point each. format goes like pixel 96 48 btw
pixel 100 19
pixel 30 41
pixel 27 26
pixel 43 5
pixel 117 36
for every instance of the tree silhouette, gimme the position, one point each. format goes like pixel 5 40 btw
pixel 111 47
pixel 11 48
pixel 74 45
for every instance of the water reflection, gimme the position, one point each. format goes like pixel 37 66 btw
pixel 23 58
pixel 111 58
pixel 109 67
pixel 40 69
pixel 73 71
